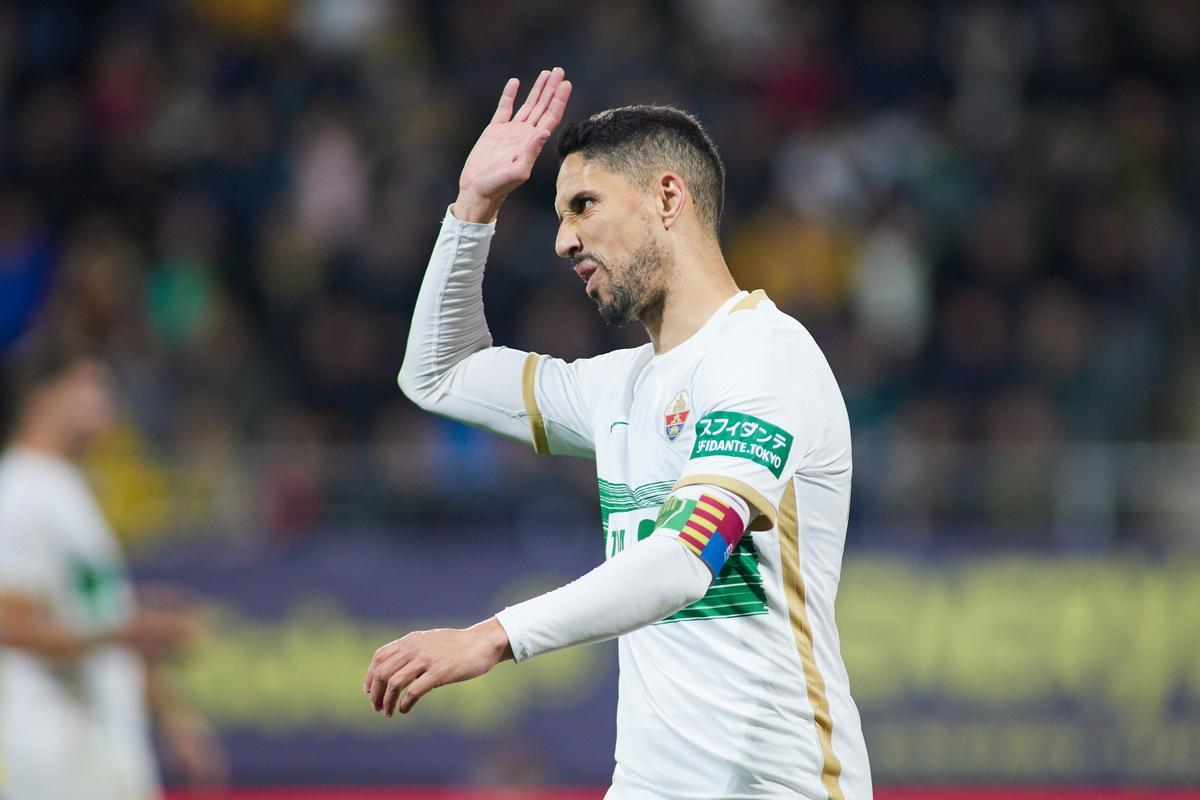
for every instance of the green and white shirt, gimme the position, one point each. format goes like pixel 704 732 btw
pixel 80 728
pixel 742 694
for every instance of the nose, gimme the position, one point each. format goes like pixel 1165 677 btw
pixel 567 243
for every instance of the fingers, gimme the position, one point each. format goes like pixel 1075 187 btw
pixel 543 101
pixel 383 674
pixel 377 658
pixel 556 107
pixel 507 98
pixel 534 95
pixel 397 684
pixel 381 656
pixel 405 670
pixel 418 689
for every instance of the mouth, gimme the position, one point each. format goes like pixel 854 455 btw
pixel 585 270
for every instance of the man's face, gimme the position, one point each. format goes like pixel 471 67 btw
pixel 607 230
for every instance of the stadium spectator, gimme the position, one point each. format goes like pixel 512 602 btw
pixel 981 200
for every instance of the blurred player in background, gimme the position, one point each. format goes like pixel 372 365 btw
pixel 80 658
pixel 723 454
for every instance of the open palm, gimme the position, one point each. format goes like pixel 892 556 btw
pixel 503 157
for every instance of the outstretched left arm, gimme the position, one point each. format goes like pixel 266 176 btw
pixel 639 586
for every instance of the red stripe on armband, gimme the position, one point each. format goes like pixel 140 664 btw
pixel 712 531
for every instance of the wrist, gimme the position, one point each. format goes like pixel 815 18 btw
pixel 470 207
pixel 494 639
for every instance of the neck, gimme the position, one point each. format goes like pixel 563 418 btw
pixel 39 437
pixel 700 282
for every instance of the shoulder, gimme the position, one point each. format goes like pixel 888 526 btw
pixel 23 476
pixel 24 471
pixel 31 489
pixel 757 339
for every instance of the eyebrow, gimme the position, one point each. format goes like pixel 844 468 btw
pixel 582 194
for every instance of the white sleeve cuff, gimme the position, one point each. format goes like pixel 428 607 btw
pixel 454 223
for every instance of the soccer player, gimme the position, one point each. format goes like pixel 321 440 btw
pixel 79 658
pixel 722 449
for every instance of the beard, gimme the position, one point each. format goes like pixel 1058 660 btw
pixel 635 286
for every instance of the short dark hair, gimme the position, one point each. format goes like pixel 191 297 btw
pixel 636 141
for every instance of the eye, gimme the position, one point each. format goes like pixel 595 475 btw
pixel 586 203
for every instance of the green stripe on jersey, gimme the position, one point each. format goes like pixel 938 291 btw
pixel 623 497
pixel 736 592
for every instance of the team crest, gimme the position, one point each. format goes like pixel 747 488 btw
pixel 676 415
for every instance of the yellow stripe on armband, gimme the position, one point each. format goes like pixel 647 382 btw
pixel 762 511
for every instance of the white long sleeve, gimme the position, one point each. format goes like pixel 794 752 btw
pixel 450 367
pixel 635 588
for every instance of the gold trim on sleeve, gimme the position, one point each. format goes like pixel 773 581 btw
pixel 537 426
pixel 764 521
pixel 750 301
pixel 793 588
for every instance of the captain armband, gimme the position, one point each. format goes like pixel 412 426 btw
pixel 707 520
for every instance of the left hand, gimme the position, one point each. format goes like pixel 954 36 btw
pixel 410 667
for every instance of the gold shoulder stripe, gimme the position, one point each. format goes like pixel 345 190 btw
pixel 766 510
pixel 750 301
pixel 793 588
pixel 537 425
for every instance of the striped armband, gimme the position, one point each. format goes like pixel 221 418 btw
pixel 707 520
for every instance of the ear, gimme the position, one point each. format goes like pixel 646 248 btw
pixel 671 194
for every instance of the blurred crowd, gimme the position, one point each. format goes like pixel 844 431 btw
pixel 985 212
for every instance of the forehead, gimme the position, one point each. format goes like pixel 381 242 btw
pixel 578 174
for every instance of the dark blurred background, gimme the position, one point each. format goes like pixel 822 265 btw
pixel 985 212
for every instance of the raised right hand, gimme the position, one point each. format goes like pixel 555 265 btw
pixel 503 157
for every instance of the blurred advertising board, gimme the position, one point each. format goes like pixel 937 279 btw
pixel 1024 668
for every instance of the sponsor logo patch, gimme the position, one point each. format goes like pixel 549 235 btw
pixel 676 415
pixel 728 433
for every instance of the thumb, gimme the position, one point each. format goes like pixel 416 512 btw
pixel 536 143
pixel 522 163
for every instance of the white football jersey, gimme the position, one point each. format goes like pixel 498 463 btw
pixel 69 730
pixel 744 693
